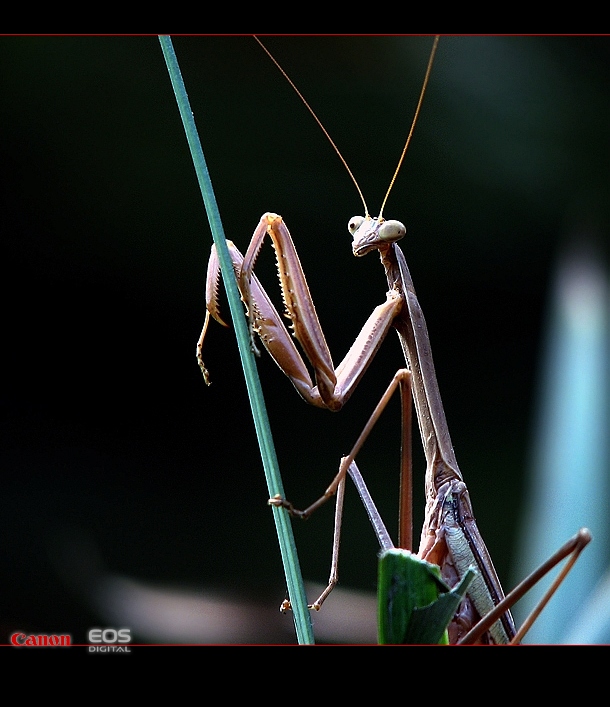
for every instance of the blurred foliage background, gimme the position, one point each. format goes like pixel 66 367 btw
pixel 116 459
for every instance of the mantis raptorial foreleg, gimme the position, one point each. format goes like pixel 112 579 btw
pixel 332 387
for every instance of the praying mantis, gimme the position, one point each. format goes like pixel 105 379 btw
pixel 450 537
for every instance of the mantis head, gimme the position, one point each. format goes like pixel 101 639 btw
pixel 373 233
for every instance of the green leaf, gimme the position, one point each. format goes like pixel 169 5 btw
pixel 414 604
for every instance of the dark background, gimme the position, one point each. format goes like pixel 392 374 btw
pixel 116 459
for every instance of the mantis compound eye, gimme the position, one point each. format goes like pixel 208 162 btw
pixel 354 224
pixel 391 231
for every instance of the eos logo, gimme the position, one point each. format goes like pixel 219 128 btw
pixel 109 640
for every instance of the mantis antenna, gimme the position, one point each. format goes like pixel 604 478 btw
pixel 419 104
pixel 319 122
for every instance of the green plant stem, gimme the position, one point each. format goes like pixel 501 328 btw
pixel 294 581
